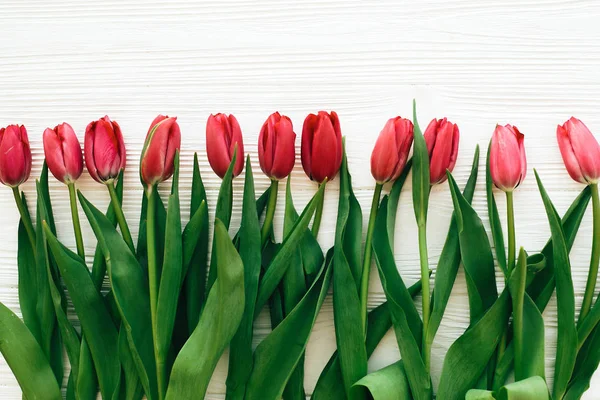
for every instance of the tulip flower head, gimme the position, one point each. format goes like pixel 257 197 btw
pixel 104 150
pixel 276 146
pixel 580 151
pixel 158 156
pixel 223 136
pixel 63 153
pixel 441 137
pixel 508 163
pixel 15 155
pixel 391 149
pixel 321 150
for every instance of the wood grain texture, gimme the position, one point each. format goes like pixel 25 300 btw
pixel 531 63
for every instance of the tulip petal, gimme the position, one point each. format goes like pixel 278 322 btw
pixel 441 155
pixel 308 132
pixel 506 158
pixel 236 139
pixel 568 155
pixel 284 157
pixel 384 158
pixel 324 147
pixel 153 159
pixel 71 150
pixel 54 154
pixel 13 156
pixel 586 149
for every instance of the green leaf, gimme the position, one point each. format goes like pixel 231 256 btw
pixel 420 172
pixel 195 250
pixel 469 355
pixel 240 351
pixel 96 323
pixel 389 383
pixel 172 272
pixel 222 213
pixel 533 388
pixel 479 394
pixel 566 351
pixel 528 338
pixel 278 354
pixel 131 386
pixel 494 217
pixel 218 323
pixel 394 198
pixel 585 367
pixel 130 289
pixel 379 321
pixel 476 254
pixel 449 261
pixel 405 317
pixel 278 266
pixel 26 359
pixel 349 329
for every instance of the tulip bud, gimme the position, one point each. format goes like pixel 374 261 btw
pixel 391 149
pixel 580 151
pixel 158 156
pixel 63 153
pixel 223 134
pixel 508 163
pixel 441 137
pixel 15 155
pixel 276 146
pixel 104 150
pixel 321 150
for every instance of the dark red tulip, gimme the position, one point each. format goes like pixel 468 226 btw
pixel 580 151
pixel 321 150
pixel 223 135
pixel 63 153
pixel 104 150
pixel 391 149
pixel 158 156
pixel 276 146
pixel 15 155
pixel 508 163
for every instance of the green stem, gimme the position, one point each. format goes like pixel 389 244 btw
pixel 25 217
pixel 364 282
pixel 120 216
pixel 267 227
pixel 518 299
pixel 153 285
pixel 76 224
pixel 510 213
pixel 318 215
pixel 595 258
pixel 425 290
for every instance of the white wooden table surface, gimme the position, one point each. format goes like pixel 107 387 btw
pixel 532 64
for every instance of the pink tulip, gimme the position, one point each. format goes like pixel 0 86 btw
pixel 441 137
pixel 321 150
pixel 508 163
pixel 158 155
pixel 580 151
pixel 223 135
pixel 391 149
pixel 104 150
pixel 276 146
pixel 63 153
pixel 15 155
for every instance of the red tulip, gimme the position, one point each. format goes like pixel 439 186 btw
pixel 580 151
pixel 223 133
pixel 441 137
pixel 391 149
pixel 158 155
pixel 104 150
pixel 508 163
pixel 321 150
pixel 276 146
pixel 15 155
pixel 63 153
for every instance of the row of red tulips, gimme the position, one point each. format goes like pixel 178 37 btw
pixel 321 150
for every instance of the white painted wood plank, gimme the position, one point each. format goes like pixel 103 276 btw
pixel 532 63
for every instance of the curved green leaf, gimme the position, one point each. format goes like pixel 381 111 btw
pixel 494 217
pixel 420 172
pixel 278 354
pixel 130 290
pixel 249 241
pixel 533 388
pixel 349 330
pixel 218 323
pixel 26 359
pixel 566 351
pixel 96 323
pixel 389 383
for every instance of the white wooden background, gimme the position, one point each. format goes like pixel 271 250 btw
pixel 530 63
